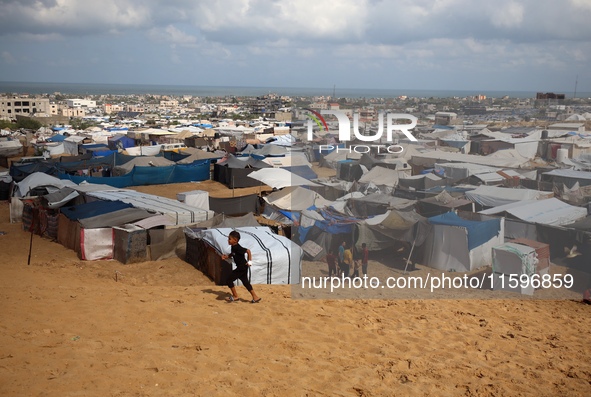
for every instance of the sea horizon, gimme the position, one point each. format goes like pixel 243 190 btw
pixel 35 88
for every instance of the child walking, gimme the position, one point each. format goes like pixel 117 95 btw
pixel 242 265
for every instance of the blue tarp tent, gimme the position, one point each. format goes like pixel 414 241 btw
pixel 93 208
pixel 57 138
pixel 478 232
pixel 120 142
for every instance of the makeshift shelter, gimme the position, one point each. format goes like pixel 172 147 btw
pixel 120 141
pixel 461 245
pixel 421 182
pixel 511 259
pixel 381 176
pixel 377 203
pixel 492 196
pixel 278 178
pixel 381 231
pixel 568 177
pixel 39 182
pixel 275 259
pixel 143 161
pixel 199 155
pixel 179 213
pixel 234 206
pixel 295 198
pixel 233 171
pixel 547 212
pixel 443 203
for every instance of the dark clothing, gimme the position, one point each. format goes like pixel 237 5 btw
pixel 240 274
pixel 364 268
pixel 239 254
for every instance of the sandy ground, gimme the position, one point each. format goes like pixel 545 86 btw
pixel 75 328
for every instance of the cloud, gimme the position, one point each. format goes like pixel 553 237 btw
pixel 7 57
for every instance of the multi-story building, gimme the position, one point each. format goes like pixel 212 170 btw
pixel 80 103
pixel 13 106
pixel 73 112
pixel 110 108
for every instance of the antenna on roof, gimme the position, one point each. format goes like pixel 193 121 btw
pixel 576 81
pixel 333 90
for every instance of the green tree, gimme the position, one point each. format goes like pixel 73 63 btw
pixel 29 124
pixel 6 125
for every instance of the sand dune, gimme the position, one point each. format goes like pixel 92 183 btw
pixel 72 328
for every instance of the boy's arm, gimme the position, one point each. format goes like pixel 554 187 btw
pixel 249 257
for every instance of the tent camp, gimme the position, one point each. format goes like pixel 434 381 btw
pixel 461 245
pixel 275 259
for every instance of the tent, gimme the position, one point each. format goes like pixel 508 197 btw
pixel 442 203
pixel 40 180
pixel 461 245
pixel 233 171
pixel 547 212
pixel 120 141
pixel 144 161
pixel 381 231
pixel 177 212
pixel 378 203
pixel 492 196
pixel 381 176
pixel 295 198
pixel 276 259
pixel 278 178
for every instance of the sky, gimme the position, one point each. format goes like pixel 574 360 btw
pixel 518 45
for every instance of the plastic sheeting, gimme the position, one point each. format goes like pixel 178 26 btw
pixel 275 259
pixel 492 196
pixel 278 178
pixel 296 199
pixel 96 244
pixel 547 212
pixel 234 205
pixel 478 232
pixel 381 176
pixel 179 213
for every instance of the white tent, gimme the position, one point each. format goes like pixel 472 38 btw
pixel 40 179
pixel 460 245
pixel 492 196
pixel 275 259
pixel 381 176
pixel 279 178
pixel 547 212
pixel 296 199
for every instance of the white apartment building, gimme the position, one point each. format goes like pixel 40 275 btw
pixel 80 103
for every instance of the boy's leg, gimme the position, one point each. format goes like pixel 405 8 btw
pixel 246 282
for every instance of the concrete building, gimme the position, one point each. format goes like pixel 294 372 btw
pixel 73 112
pixel 13 106
pixel 80 103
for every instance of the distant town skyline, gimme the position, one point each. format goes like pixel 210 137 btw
pixel 516 45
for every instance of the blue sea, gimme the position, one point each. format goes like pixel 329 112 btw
pixel 218 91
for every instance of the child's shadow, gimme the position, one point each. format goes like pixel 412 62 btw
pixel 220 294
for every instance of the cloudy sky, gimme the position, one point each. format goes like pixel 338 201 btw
pixel 537 45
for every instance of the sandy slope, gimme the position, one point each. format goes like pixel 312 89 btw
pixel 68 328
